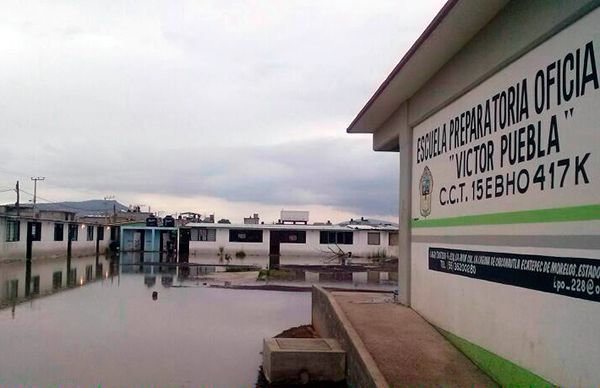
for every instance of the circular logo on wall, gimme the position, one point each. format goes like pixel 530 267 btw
pixel 425 189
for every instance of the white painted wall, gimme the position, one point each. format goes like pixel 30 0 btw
pixel 12 249
pixel 44 268
pixel 312 247
pixel 555 336
pixel 83 247
pixel 47 247
pixel 222 240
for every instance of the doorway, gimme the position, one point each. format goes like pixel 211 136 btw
pixel 184 244
pixel 274 249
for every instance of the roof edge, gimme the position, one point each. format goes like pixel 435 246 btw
pixel 441 15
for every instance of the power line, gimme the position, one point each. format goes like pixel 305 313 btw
pixel 17 173
pixel 35 181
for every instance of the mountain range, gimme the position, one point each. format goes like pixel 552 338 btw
pixel 89 207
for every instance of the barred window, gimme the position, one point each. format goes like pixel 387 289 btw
pixel 73 232
pixel 373 238
pixel 89 273
pixel 346 238
pixel 59 232
pixel 393 237
pixel 36 231
pixel 246 235
pixel 35 284
pixel 292 236
pixel 203 234
pixel 57 280
pixel 13 230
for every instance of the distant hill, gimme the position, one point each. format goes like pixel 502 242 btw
pixel 88 208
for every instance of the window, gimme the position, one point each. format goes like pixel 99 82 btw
pixel 113 233
pixel 57 280
pixel 100 233
pixel 373 238
pixel 90 233
pixel 72 277
pixel 13 230
pixel 293 236
pixel 246 235
pixel 203 234
pixel 59 232
pixel 89 272
pixel 393 238
pixel 346 238
pixel 73 232
pixel 35 282
pixel 36 231
pixel 13 289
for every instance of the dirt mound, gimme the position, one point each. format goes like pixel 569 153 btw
pixel 304 331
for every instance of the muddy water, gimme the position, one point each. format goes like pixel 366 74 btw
pixel 312 273
pixel 106 329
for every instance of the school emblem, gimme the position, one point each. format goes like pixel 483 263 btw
pixel 425 189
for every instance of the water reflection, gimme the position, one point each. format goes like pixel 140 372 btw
pixel 26 279
pixel 128 326
pixel 149 319
pixel 361 273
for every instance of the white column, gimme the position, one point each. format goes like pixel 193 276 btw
pixel 404 230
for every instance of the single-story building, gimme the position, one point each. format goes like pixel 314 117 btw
pixel 47 234
pixel 495 114
pixel 292 239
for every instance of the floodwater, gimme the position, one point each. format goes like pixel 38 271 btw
pixel 310 273
pixel 94 322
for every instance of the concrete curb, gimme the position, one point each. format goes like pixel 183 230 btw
pixel 329 320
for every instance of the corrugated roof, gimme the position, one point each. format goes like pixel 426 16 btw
pixel 288 227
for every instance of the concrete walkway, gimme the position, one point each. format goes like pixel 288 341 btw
pixel 406 348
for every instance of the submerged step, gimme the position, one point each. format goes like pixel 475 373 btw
pixel 303 360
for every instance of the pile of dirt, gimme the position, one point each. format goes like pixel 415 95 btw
pixel 304 331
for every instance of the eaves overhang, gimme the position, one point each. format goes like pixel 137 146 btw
pixel 451 29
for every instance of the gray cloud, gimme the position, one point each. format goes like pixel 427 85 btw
pixel 338 172
pixel 243 101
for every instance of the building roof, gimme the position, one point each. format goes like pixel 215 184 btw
pixel 44 219
pixel 289 227
pixel 9 208
pixel 456 24
pixel 142 225
pixel 372 222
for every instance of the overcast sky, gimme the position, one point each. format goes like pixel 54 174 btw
pixel 226 107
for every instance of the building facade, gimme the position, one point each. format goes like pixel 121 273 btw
pixel 494 113
pixel 49 235
pixel 262 239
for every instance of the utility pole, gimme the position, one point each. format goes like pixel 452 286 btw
pixel 35 181
pixel 18 201
pixel 107 198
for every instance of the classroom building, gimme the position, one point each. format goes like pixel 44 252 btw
pixel 495 114
pixel 29 234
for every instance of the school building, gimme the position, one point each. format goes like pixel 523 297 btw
pixel 494 112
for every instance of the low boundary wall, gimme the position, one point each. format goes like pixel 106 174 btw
pixel 329 321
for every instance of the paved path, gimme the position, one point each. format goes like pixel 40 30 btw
pixel 407 349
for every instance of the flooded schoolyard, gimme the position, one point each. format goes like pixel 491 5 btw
pixel 109 331
pixel 93 321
